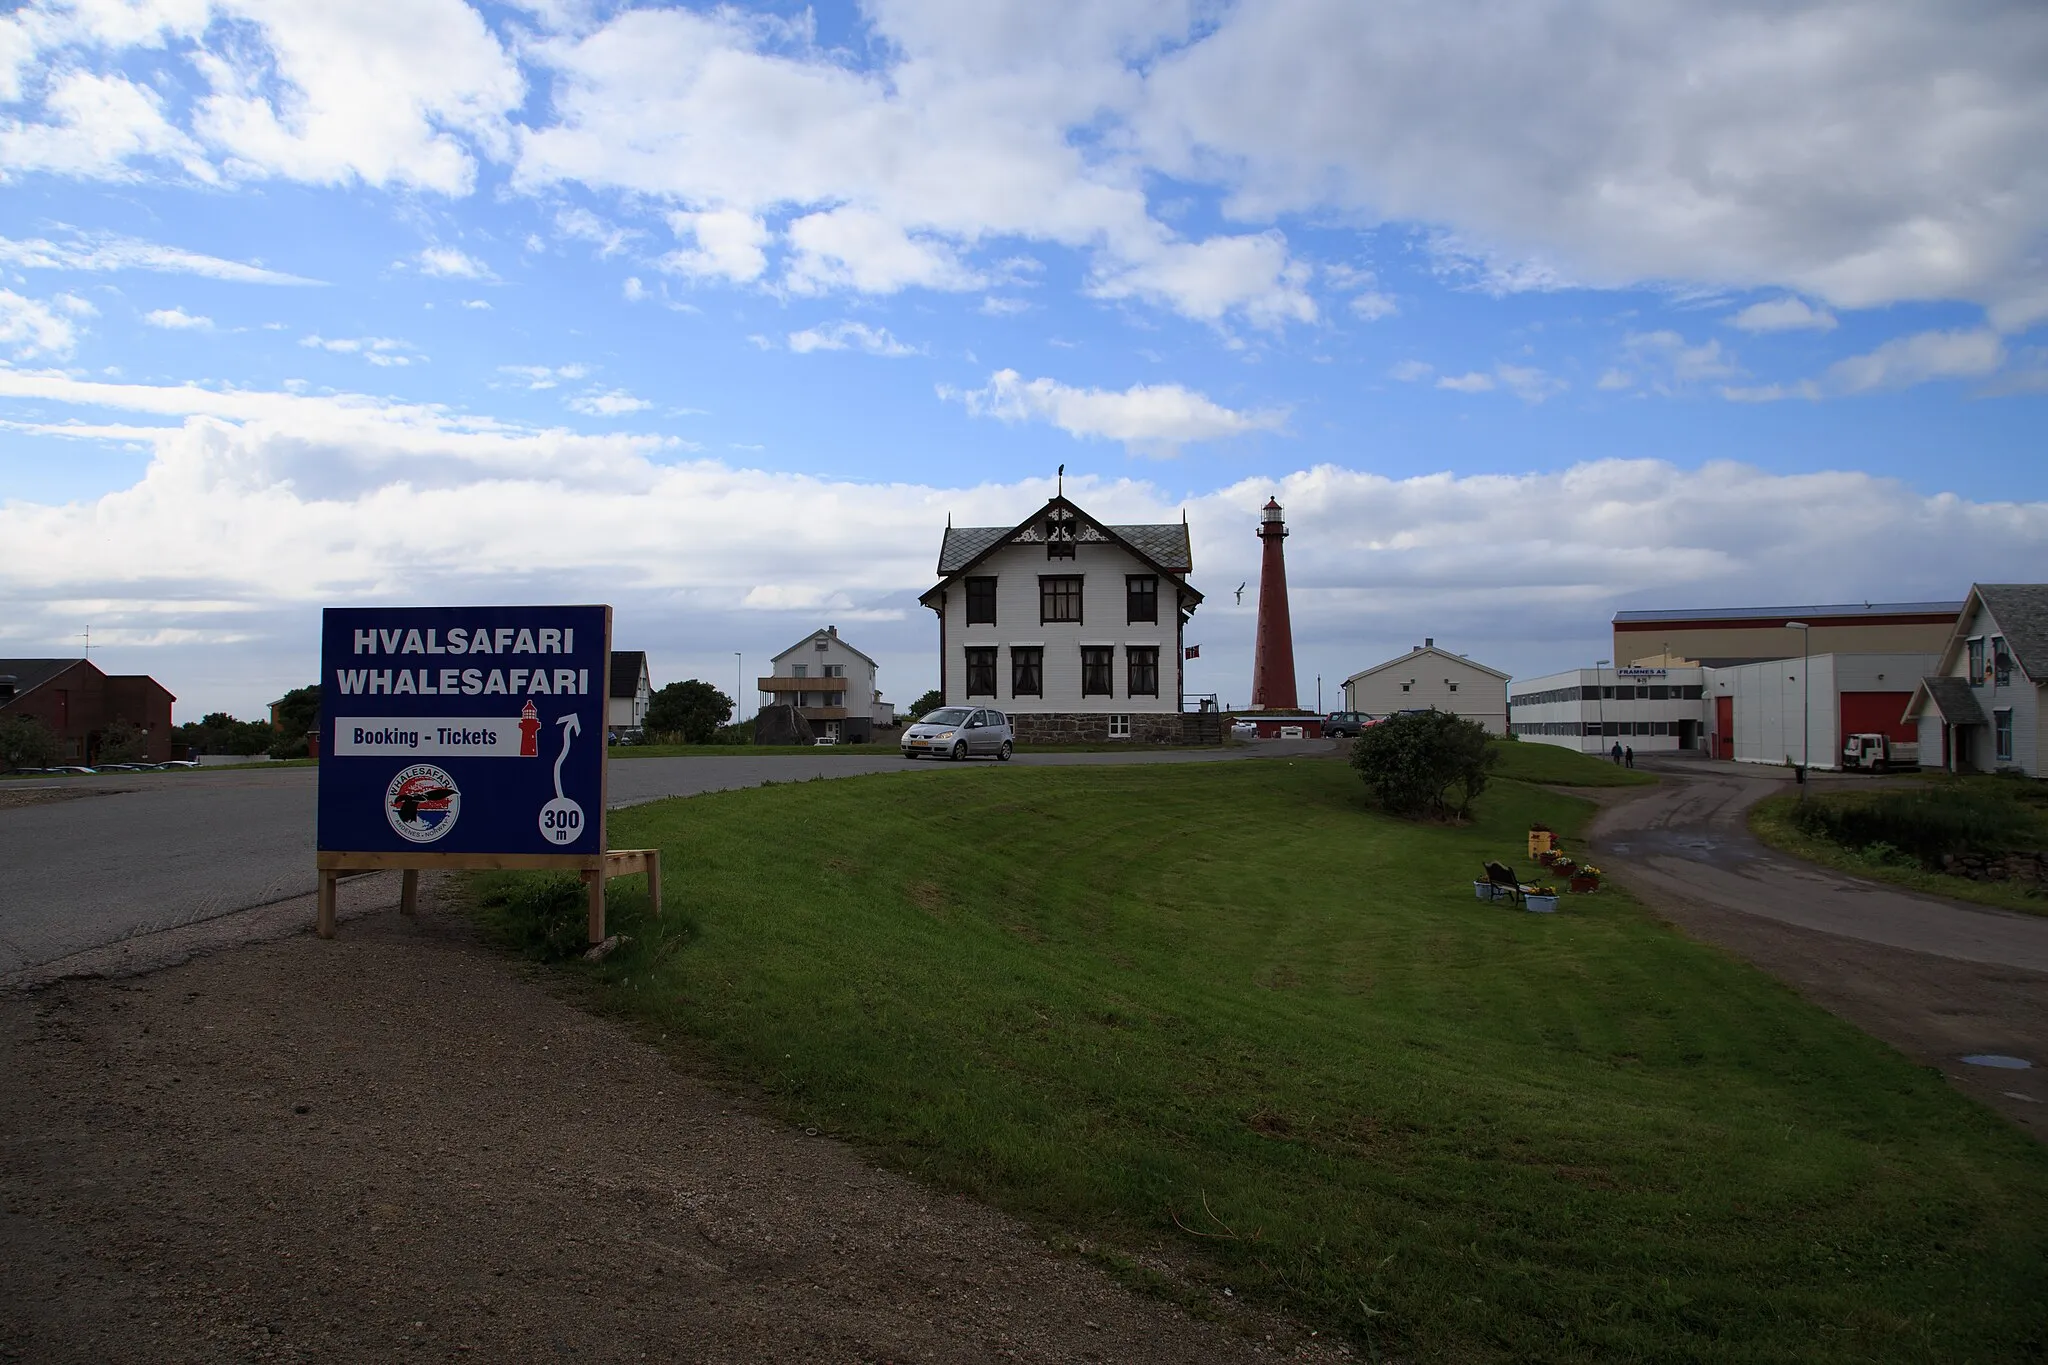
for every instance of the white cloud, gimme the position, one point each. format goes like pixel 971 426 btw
pixel 98 127
pixel 1373 305
pixel 1206 280
pixel 1473 382
pixel 1615 380
pixel 854 248
pixel 728 246
pixel 840 336
pixel 477 305
pixel 449 263
pixel 102 251
pixel 633 291
pixel 1918 358
pixel 1525 382
pixel 258 508
pixel 1783 315
pixel 31 328
pixel 608 403
pixel 385 351
pixel 998 306
pixel 1411 371
pixel 1899 363
pixel 178 320
pixel 1862 157
pixel 583 225
pixel 545 376
pixel 1155 419
pixel 1668 363
pixel 341 93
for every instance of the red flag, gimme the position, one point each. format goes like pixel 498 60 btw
pixel 1194 651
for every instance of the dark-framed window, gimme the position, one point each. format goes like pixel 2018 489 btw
pixel 1059 598
pixel 1141 599
pixel 981 601
pixel 2001 735
pixel 1142 663
pixel 1098 671
pixel 1976 664
pixel 981 671
pixel 1027 671
pixel 2001 662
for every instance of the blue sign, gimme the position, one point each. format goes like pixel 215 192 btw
pixel 463 729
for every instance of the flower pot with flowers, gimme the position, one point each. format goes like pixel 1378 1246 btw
pixel 1585 878
pixel 1541 900
pixel 1563 866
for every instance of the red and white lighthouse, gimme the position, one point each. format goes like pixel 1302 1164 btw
pixel 1273 658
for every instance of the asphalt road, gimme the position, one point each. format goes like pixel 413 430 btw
pixel 1689 838
pixel 151 851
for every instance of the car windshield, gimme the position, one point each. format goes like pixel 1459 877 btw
pixel 947 715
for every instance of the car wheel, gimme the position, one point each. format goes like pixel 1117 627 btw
pixel 1003 754
pixel 960 751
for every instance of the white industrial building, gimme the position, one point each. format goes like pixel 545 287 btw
pixel 1430 679
pixel 1769 712
pixel 1593 709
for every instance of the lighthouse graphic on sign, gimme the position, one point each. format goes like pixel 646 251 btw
pixel 529 732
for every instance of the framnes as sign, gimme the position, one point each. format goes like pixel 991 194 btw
pixel 1644 674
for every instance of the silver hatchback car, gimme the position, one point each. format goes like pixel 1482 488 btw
pixel 956 732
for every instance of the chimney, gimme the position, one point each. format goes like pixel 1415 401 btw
pixel 1429 642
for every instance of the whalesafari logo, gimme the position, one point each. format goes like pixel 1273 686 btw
pixel 422 803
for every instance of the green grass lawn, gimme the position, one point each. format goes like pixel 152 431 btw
pixel 1229 1015
pixel 1560 767
pixel 1771 821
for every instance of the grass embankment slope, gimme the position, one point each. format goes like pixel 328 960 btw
pixel 1229 1012
pixel 2008 813
pixel 1525 761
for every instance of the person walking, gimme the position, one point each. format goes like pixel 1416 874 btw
pixel 1629 756
pixel 1617 753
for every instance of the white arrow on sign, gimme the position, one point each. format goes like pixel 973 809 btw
pixel 571 725
pixel 561 820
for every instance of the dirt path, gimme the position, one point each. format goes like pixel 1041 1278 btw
pixel 1939 980
pixel 396 1146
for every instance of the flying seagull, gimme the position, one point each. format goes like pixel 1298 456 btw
pixel 409 804
pixel 1240 594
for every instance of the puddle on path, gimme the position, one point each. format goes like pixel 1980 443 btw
pixel 1999 1060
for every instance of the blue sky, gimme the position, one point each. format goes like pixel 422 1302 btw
pixel 716 314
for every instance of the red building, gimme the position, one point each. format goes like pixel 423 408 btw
pixel 1273 653
pixel 75 699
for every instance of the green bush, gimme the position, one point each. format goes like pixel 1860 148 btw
pixel 1414 760
pixel 543 917
pixel 28 742
pixel 1922 825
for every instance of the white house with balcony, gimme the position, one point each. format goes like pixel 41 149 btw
pixel 832 685
pixel 1069 625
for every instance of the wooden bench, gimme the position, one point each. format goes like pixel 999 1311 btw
pixel 1503 878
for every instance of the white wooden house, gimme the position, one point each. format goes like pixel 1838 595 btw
pixel 632 689
pixel 1980 710
pixel 1070 626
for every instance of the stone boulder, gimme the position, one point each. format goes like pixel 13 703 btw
pixel 782 725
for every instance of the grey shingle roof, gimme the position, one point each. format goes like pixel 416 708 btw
pixel 1165 544
pixel 2021 610
pixel 626 666
pixel 1955 699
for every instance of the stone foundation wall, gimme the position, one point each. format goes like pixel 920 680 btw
pixel 2031 868
pixel 1070 727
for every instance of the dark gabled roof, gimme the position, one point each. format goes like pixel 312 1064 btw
pixel 824 633
pixel 2021 610
pixel 1953 697
pixel 30 674
pixel 627 665
pixel 1163 545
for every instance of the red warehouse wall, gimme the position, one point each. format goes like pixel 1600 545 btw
pixel 1877 713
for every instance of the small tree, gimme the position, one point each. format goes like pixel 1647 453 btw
pixel 221 733
pixel 121 742
pixel 1413 762
pixel 693 709
pixel 28 742
pixel 929 702
pixel 298 715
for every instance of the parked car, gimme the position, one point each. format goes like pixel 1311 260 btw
pixel 176 765
pixel 1243 729
pixel 72 768
pixel 625 737
pixel 955 732
pixel 1343 724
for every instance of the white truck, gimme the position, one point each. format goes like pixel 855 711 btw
pixel 1879 753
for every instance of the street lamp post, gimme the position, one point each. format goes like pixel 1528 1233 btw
pixel 1805 702
pixel 739 681
pixel 1600 686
